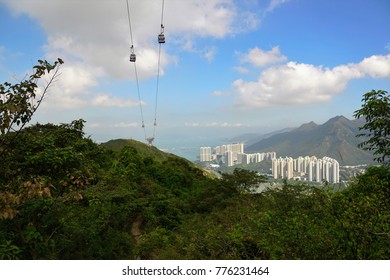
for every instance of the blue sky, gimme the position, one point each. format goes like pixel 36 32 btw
pixel 228 66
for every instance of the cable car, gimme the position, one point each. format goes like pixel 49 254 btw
pixel 161 36
pixel 132 55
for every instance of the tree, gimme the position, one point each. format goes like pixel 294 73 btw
pixel 18 102
pixel 244 179
pixel 46 177
pixel 376 111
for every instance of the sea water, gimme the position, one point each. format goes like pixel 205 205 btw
pixel 187 148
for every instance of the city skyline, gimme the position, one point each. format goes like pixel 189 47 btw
pixel 306 168
pixel 232 154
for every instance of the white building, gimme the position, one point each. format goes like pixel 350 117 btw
pixel 335 174
pixel 289 168
pixel 318 170
pixel 229 158
pixel 235 149
pixel 205 154
pixel 275 168
pixel 231 154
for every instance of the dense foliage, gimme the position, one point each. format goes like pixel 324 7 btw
pixel 64 197
pixel 376 111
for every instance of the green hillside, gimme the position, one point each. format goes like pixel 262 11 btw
pixel 142 149
pixel 62 196
pixel 151 152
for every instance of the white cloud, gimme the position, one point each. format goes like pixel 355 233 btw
pixel 241 70
pixel 223 124
pixel 192 124
pixel 210 53
pixel 71 88
pixel 74 86
pixel 248 21
pixel 93 39
pixel 94 125
pixel 261 58
pixel 298 83
pixel 274 4
pixel 206 18
pixel 214 125
pixel 97 32
pixel 112 101
pixel 219 93
pixel 116 125
pixel 126 125
pixel 376 66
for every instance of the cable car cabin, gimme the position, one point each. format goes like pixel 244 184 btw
pixel 132 57
pixel 161 38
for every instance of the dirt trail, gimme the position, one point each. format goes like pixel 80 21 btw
pixel 136 228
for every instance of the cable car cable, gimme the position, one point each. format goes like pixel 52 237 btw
pixel 162 13
pixel 158 67
pixel 161 39
pixel 135 68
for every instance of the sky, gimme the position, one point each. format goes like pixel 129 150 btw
pixel 228 67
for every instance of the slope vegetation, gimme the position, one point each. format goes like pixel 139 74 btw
pixel 62 196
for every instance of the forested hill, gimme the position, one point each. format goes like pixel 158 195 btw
pixel 145 150
pixel 335 138
pixel 62 196
pixel 151 152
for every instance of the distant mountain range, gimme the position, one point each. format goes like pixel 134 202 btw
pixel 251 138
pixel 336 138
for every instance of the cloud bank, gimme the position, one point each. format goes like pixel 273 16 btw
pixel 294 83
pixel 260 58
pixel 93 38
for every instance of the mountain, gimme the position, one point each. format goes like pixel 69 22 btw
pixel 251 138
pixel 247 138
pixel 335 138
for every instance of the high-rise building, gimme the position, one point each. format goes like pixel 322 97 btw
pixel 275 166
pixel 335 174
pixel 332 170
pixel 300 162
pixel 318 170
pixel 205 154
pixel 289 168
pixel 310 174
pixel 244 158
pixel 229 158
pixel 271 155
pixel 237 156
pixel 315 169
pixel 236 148
pixel 306 162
